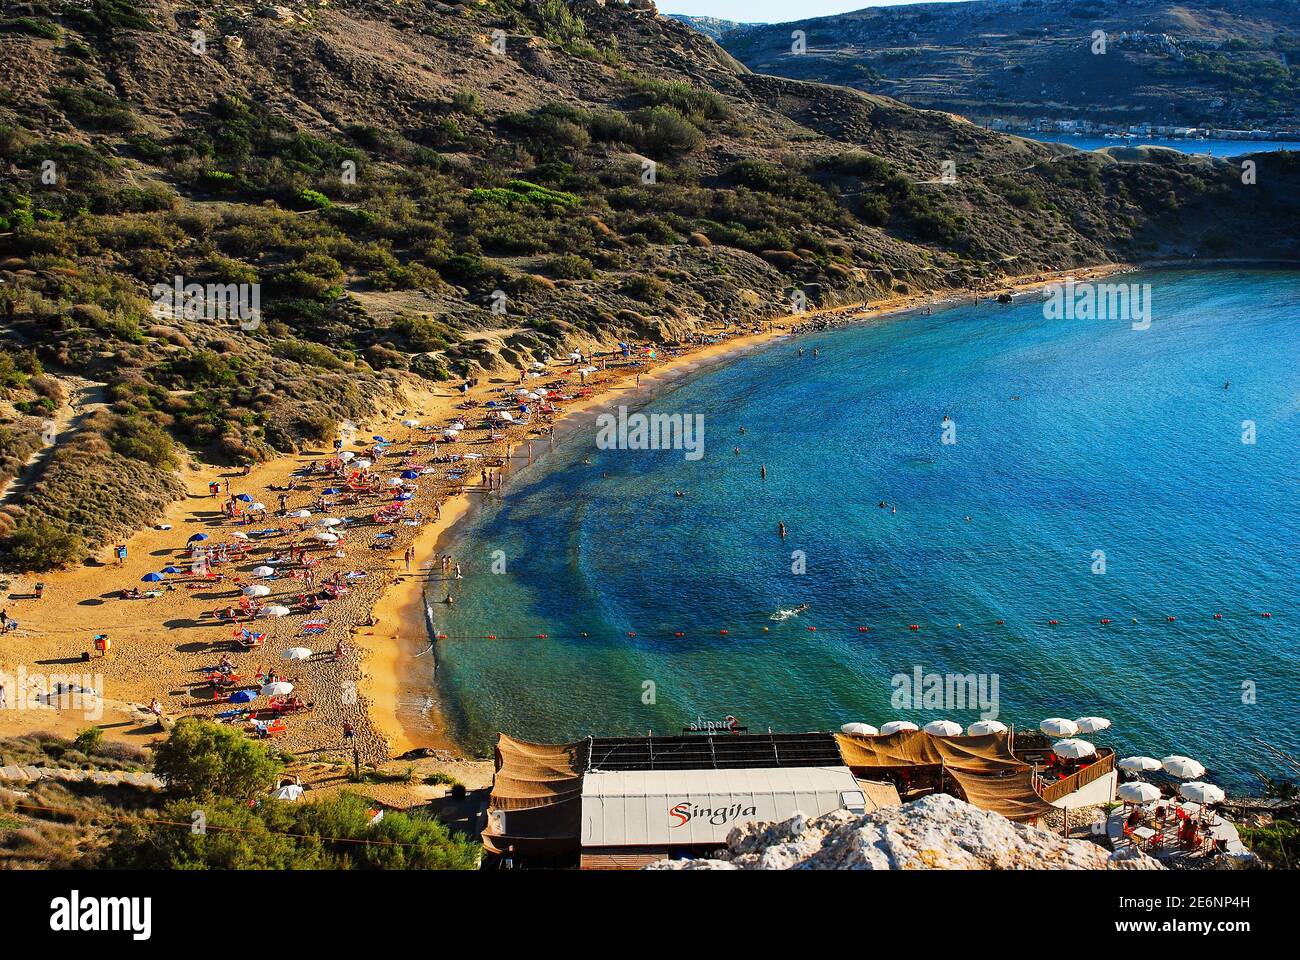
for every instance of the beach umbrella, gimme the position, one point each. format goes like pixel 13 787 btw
pixel 256 590
pixel 243 496
pixel 151 578
pixel 1059 727
pixel 258 506
pixel 277 689
pixel 942 728
pixel 1139 764
pixel 264 571
pixel 240 535
pixel 1184 768
pixel 396 482
pixel 331 491
pixel 378 439
pixel 1091 724
pixel 172 570
pixel 347 455
pixel 243 696
pixel 862 729
pixel 410 474
pixel 897 726
pixel 1138 792
pixel 275 610
pixel 325 537
pixel 301 514
pixel 363 464
pixel 330 522
pixel 981 728
pixel 1199 792
pixel 1073 749
pixel 297 653
pixel 410 424
pixel 196 537
pixel 290 791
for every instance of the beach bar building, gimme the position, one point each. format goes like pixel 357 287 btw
pixel 623 802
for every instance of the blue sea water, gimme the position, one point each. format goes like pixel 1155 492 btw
pixel 1072 436
pixel 1215 148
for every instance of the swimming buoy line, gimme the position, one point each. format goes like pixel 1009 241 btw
pixel 911 627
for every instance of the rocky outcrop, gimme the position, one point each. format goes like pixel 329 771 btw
pixel 937 832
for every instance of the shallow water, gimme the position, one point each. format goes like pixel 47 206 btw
pixel 1121 440
pixel 1215 148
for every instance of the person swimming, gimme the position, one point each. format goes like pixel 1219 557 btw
pixel 780 529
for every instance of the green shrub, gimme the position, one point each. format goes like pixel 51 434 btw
pixel 200 760
pixel 40 545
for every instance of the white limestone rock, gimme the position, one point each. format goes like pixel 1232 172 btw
pixel 937 832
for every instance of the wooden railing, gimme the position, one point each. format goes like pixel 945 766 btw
pixel 1104 764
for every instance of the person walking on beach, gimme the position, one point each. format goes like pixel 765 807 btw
pixel 348 730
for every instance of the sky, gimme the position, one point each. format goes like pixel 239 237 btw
pixel 770 11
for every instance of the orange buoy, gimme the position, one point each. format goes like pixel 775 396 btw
pixel 491 636
pixel 541 636
pixel 1052 623
pixel 1218 616
pixel 1170 619
pixel 679 634
pixel 914 626
pixel 724 632
pixel 812 629
pixel 864 629
pixel 441 636
pixel 1001 623
pixel 1105 621
pixel 631 633
pixel 1267 616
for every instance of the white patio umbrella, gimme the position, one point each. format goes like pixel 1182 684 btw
pixel 411 424
pixel 324 536
pixel 278 689
pixel 897 726
pixel 290 791
pixel 296 653
pixel 1073 749
pixel 256 590
pixel 264 571
pixel 1139 764
pixel 275 610
pixel 1200 792
pixel 982 727
pixel 396 482
pixel 862 729
pixel 1184 768
pixel 301 514
pixel 347 455
pixel 943 728
pixel 1091 724
pixel 329 522
pixel 240 535
pixel 1059 727
pixel 1138 791
pixel 258 506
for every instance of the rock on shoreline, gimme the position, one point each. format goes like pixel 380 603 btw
pixel 937 832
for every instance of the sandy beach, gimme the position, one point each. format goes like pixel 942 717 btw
pixel 380 684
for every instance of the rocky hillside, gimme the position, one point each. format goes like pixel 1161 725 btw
pixel 1220 63
pixel 937 832
pixel 428 190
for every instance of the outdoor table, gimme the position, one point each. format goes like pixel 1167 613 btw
pixel 1144 834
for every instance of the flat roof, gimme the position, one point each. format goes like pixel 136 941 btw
pixel 625 808
pixel 716 751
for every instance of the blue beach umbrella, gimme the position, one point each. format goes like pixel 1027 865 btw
pixel 378 439
pixel 151 578
pixel 243 496
pixel 410 474
pixel 197 536
pixel 171 569
pixel 243 696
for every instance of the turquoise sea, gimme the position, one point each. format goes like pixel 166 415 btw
pixel 1215 148
pixel 1072 436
